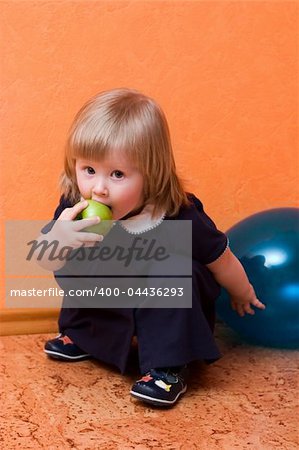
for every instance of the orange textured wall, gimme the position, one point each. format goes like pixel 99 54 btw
pixel 225 72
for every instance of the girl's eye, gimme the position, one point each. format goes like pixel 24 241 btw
pixel 117 174
pixel 90 170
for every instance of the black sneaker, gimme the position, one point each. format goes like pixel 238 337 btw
pixel 161 387
pixel 63 348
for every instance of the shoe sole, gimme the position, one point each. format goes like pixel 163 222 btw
pixel 62 357
pixel 157 401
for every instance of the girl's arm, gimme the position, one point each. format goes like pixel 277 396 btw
pixel 67 233
pixel 229 273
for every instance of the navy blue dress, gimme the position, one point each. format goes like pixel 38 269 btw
pixel 166 337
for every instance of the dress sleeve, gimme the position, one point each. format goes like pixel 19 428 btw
pixel 208 243
pixel 63 203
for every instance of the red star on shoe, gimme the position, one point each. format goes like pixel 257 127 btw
pixel 66 340
pixel 146 378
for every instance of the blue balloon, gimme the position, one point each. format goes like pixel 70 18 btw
pixel 267 244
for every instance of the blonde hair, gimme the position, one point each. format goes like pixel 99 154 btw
pixel 124 120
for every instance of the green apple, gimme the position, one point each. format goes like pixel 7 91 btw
pixel 98 209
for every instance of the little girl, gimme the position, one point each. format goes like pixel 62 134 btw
pixel 119 153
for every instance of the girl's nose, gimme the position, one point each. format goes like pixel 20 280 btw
pixel 100 189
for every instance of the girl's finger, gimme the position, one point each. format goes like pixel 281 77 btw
pixel 79 225
pixel 233 306
pixel 89 237
pixel 72 213
pixel 78 207
pixel 248 309
pixel 259 304
pixel 240 310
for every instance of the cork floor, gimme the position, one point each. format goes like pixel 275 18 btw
pixel 246 400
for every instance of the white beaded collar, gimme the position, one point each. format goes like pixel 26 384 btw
pixel 143 221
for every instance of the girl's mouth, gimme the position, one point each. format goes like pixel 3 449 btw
pixel 99 201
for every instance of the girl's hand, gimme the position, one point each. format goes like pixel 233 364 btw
pixel 68 231
pixel 229 273
pixel 242 304
pixel 67 234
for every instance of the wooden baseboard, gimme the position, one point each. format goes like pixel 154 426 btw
pixel 28 321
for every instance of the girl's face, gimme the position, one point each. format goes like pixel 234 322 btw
pixel 114 181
